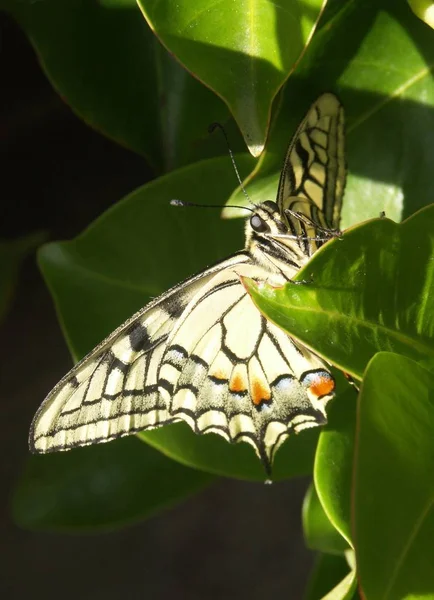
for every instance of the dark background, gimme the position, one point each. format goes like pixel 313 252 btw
pixel 233 540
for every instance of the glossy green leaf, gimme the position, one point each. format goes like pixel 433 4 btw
pixel 185 112
pixel 394 480
pixel 100 487
pixel 333 470
pixel 345 589
pixel 331 579
pixel 213 454
pixel 368 291
pixel 379 60
pixel 243 51
pixel 12 253
pixel 424 9
pixel 319 533
pixel 107 64
pixel 136 250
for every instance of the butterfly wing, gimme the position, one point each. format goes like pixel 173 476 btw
pixel 201 353
pixel 114 390
pixel 228 370
pixel 313 177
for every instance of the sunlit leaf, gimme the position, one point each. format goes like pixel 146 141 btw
pixel 379 60
pixel 424 9
pixel 368 291
pixel 258 42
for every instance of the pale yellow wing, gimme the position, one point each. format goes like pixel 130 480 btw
pixel 114 390
pixel 226 369
pixel 201 353
pixel 313 177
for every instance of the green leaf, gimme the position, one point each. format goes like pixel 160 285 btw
pixel 394 480
pixel 370 290
pixel 186 110
pixel 345 589
pixel 331 580
pixel 333 470
pixel 424 9
pixel 106 63
pixel 213 454
pixel 379 60
pixel 319 532
pixel 138 249
pixel 100 487
pixel 258 42
pixel 12 253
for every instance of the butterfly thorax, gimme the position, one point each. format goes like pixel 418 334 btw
pixel 272 244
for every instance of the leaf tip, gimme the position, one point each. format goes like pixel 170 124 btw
pixel 424 9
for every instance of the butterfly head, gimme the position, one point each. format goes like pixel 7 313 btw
pixel 265 219
pixel 269 239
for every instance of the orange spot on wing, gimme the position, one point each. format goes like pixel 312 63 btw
pixel 237 384
pixel 260 392
pixel 322 385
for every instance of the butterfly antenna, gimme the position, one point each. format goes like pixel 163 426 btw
pixel 176 202
pixel 212 128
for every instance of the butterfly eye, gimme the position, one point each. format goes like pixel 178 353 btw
pixel 258 224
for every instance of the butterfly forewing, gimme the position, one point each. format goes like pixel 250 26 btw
pixel 313 177
pixel 113 391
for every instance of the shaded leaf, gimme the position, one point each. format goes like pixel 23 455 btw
pixel 259 44
pixel 371 290
pixel 319 533
pixel 215 455
pixel 331 572
pixel 118 78
pixel 100 487
pixel 185 112
pixel 12 253
pixel 394 480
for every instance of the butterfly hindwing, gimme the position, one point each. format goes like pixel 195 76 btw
pixel 228 370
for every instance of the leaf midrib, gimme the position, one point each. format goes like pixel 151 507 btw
pixel 413 533
pixel 390 97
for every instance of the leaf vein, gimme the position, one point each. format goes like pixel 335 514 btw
pixel 407 546
pixel 395 94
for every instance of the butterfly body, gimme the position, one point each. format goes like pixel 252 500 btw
pixel 202 353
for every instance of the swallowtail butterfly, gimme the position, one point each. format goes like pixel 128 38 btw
pixel 202 352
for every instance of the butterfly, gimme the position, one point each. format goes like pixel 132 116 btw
pixel 202 352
